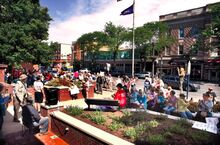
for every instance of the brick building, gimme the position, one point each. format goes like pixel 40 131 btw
pixel 185 27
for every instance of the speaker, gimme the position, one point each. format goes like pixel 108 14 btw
pixel 51 96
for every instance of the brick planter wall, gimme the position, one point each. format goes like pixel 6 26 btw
pixel 74 136
pixel 81 133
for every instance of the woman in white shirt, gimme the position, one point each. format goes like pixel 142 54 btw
pixel 39 92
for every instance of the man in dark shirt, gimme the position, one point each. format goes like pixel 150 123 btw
pixel 37 120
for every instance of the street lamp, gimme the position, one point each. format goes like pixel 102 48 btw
pixel 153 41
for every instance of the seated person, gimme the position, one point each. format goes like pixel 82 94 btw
pixel 171 103
pixel 133 98
pixel 205 107
pixel 151 97
pixel 167 91
pixel 120 95
pixel 142 99
pixel 159 102
pixel 182 105
pixel 38 120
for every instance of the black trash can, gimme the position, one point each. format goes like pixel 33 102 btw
pixel 51 96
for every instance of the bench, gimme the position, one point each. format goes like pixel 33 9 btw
pixel 106 102
pixel 50 139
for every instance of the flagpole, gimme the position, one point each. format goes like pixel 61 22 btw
pixel 133 39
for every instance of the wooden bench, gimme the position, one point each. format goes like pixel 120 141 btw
pixel 90 101
pixel 50 139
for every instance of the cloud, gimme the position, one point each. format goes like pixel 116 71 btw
pixel 85 20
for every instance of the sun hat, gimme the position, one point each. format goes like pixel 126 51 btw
pixel 22 77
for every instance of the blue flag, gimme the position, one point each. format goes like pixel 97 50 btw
pixel 119 0
pixel 129 10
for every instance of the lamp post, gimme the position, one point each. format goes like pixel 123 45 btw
pixel 153 41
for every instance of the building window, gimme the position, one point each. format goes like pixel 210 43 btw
pixel 181 32
pixel 194 31
pixel 180 49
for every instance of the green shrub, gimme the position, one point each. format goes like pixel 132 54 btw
pixel 115 118
pixel 184 123
pixel 167 134
pixel 74 110
pixel 152 123
pixel 161 117
pixel 156 140
pixel 126 112
pixel 97 117
pixel 200 136
pixel 115 126
pixel 141 128
pixel 130 133
pixel 177 129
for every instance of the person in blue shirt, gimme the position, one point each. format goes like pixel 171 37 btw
pixel 159 102
pixel 4 100
pixel 142 99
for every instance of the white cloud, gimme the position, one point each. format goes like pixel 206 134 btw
pixel 145 11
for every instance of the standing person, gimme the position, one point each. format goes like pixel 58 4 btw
pixel 181 73
pixel 39 92
pixel 212 93
pixel 20 94
pixel 99 83
pixel 171 103
pixel 146 85
pixel 4 100
pixel 182 105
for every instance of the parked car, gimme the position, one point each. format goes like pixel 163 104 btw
pixel 173 81
pixel 143 75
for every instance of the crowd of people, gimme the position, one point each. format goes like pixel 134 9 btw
pixel 153 95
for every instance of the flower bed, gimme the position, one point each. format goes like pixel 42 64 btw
pixel 142 128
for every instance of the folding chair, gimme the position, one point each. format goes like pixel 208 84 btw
pixel 28 122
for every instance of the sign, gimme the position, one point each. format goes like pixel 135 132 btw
pixel 108 66
pixel 189 68
pixel 210 126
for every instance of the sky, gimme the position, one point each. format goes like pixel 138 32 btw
pixel 72 18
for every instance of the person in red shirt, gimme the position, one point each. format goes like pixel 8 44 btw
pixel 120 95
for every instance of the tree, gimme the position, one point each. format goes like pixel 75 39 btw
pixel 143 40
pixel 91 43
pixel 212 31
pixel 23 28
pixel 115 37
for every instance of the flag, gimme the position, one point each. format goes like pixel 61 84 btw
pixel 119 0
pixel 129 10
